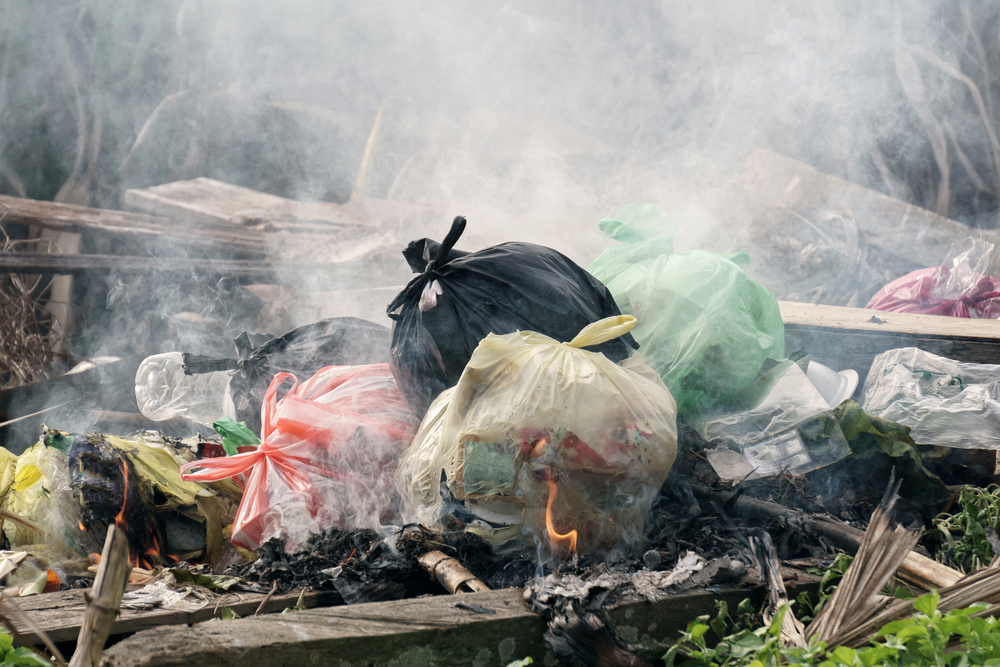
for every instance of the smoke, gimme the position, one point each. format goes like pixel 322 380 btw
pixel 534 120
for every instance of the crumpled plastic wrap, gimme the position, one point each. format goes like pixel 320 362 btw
pixel 40 493
pixel 943 401
pixel 960 287
pixel 785 425
pixel 533 421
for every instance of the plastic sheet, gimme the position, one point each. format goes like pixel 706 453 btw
pixel 786 426
pixel 957 288
pixel 943 401
pixel 533 419
pixel 704 325
pixel 459 297
pixel 327 458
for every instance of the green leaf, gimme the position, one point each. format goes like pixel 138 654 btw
pixel 844 655
pixel 26 657
pixel 927 604
pixel 521 663
pixel 6 643
pixel 227 614
pixel 234 434
pixel 719 623
pixel 300 604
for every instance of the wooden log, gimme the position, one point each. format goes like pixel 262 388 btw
pixel 850 337
pixel 60 615
pixel 67 217
pixel 104 601
pixel 439 630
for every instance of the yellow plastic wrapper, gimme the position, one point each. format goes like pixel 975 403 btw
pixel 547 443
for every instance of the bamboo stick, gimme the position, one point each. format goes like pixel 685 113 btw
pixel 450 573
pixel 104 603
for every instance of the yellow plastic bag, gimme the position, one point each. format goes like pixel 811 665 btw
pixel 535 424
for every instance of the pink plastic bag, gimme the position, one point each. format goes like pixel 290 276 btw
pixel 327 457
pixel 957 288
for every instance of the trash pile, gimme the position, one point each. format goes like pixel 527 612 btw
pixel 522 416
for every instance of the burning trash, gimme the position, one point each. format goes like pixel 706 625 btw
pixel 327 458
pixel 546 442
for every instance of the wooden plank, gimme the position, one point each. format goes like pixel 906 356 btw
pixel 205 200
pixel 421 631
pixel 895 226
pixel 66 217
pixel 61 614
pixel 837 318
pixel 851 337
pixel 50 263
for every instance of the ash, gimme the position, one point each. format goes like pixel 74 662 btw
pixel 364 566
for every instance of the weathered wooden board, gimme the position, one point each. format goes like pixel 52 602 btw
pixel 850 337
pixel 422 631
pixel 210 201
pixel 894 225
pixel 60 614
pixel 246 269
pixel 65 217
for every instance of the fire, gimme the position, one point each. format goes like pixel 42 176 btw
pixel 569 539
pixel 151 556
pixel 82 527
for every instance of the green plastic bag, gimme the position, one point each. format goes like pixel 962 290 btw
pixel 704 324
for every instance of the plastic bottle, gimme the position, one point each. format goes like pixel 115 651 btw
pixel 163 391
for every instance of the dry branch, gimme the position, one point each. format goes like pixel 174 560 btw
pixel 857 596
pixel 792 630
pixel 915 568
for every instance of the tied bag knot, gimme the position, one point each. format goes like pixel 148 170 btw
pixel 431 271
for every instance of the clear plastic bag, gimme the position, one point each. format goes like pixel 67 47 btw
pixel 704 324
pixel 534 424
pixel 327 458
pixel 957 288
pixel 943 401
pixel 785 426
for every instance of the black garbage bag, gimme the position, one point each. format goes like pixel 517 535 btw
pixel 338 341
pixel 460 297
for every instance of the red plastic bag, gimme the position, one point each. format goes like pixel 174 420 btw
pixel 957 288
pixel 327 457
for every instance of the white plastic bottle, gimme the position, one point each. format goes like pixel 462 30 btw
pixel 163 391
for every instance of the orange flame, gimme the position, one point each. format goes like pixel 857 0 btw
pixel 82 527
pixel 153 549
pixel 569 539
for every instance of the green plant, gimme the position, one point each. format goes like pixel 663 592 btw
pixel 959 638
pixel 20 656
pixel 965 531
